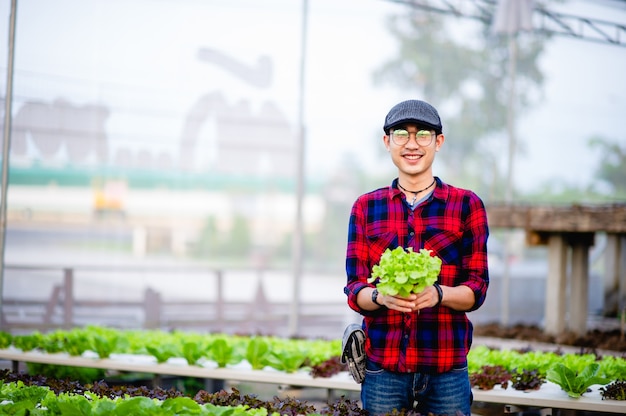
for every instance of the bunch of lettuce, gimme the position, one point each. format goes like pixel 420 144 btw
pixel 402 272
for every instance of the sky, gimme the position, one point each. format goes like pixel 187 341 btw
pixel 585 95
pixel 140 58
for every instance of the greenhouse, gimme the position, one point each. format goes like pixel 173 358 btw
pixel 205 210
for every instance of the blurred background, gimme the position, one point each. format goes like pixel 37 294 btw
pixel 192 164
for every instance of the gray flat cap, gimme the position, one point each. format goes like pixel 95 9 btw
pixel 413 111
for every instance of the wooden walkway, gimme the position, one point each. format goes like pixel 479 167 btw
pixel 569 232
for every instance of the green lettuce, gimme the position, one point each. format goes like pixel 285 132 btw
pixel 402 272
pixel 573 383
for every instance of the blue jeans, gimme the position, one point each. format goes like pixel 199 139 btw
pixel 440 394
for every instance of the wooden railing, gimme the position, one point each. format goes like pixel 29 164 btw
pixel 62 308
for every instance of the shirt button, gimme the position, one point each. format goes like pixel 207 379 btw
pixel 411 233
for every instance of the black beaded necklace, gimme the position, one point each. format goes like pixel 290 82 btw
pixel 415 192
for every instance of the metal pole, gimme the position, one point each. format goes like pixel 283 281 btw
pixel 510 125
pixel 6 144
pixel 297 234
pixel 509 194
pixel 511 17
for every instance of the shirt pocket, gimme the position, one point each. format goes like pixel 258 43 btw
pixel 446 244
pixel 378 243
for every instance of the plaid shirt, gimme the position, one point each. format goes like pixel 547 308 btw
pixel 452 223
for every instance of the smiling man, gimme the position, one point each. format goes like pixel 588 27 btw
pixel 411 352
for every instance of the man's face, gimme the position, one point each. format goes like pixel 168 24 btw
pixel 412 148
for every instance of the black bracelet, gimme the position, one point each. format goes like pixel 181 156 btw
pixel 440 292
pixel 374 296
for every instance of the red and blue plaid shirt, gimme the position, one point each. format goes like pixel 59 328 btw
pixel 452 223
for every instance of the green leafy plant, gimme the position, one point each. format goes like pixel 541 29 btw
pixel 613 367
pixel 163 352
pixel 287 354
pixel 139 406
pixel 27 396
pixel 104 346
pixel 76 343
pixel 575 384
pixel 320 350
pixel 6 339
pixel 53 342
pixel 402 272
pixel 180 406
pixel 222 351
pixel 513 360
pixel 193 352
pixel 73 404
pixel 288 360
pixel 28 342
pixel 23 393
pixel 257 352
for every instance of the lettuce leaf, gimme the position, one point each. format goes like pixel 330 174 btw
pixel 402 272
pixel 573 383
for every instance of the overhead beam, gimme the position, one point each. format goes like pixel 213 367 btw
pixel 544 20
pixel 610 218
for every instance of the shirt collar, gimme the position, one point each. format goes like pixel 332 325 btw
pixel 441 189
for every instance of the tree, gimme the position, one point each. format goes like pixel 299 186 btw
pixel 609 186
pixel 238 241
pixel 467 80
pixel 612 170
pixel 216 245
pixel 328 245
pixel 208 241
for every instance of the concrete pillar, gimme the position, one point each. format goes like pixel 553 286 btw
pixel 612 271
pixel 621 267
pixel 219 302
pixel 152 309
pixel 140 241
pixel 68 298
pixel 556 284
pixel 579 299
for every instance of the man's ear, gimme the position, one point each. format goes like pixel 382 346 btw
pixel 439 141
pixel 386 141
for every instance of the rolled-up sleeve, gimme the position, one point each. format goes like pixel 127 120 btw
pixel 475 264
pixel 357 267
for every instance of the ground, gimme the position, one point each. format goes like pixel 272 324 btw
pixel 595 339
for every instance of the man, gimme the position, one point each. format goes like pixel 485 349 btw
pixel 415 348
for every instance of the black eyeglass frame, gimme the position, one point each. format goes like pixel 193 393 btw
pixel 420 140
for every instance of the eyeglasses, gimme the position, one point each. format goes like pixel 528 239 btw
pixel 422 137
